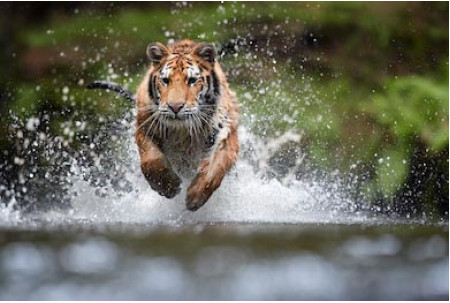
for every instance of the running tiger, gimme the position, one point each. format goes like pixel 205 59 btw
pixel 186 120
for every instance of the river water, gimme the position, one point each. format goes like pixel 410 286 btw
pixel 258 238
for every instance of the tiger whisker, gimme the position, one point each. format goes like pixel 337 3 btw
pixel 158 121
pixel 149 129
pixel 194 129
pixel 199 119
pixel 153 130
pixel 205 118
pixel 147 120
pixel 190 126
pixel 197 129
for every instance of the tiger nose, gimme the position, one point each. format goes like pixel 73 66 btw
pixel 176 107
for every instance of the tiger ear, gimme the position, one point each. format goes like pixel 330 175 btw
pixel 206 51
pixel 156 52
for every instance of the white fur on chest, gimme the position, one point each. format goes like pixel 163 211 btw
pixel 184 153
pixel 186 149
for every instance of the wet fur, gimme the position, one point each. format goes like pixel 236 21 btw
pixel 202 145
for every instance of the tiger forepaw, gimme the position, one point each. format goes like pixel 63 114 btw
pixel 169 191
pixel 166 183
pixel 198 193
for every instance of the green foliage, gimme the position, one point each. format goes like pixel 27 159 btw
pixel 392 168
pixel 412 107
pixel 360 80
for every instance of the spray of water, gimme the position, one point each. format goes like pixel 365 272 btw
pixel 252 192
pixel 105 185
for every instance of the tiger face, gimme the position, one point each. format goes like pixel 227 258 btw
pixel 183 85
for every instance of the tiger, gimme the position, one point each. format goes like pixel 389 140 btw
pixel 186 121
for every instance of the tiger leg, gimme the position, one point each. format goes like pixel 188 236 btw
pixel 156 168
pixel 212 171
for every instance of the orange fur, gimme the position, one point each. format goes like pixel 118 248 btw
pixel 171 106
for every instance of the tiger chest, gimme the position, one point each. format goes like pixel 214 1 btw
pixel 184 154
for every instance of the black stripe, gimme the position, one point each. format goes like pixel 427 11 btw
pixel 211 139
pixel 153 90
pixel 213 93
pixel 209 90
pixel 151 93
pixel 203 66
pixel 216 84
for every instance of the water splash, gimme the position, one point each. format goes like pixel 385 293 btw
pixel 8 215
pixel 252 192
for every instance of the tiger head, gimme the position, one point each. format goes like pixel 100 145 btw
pixel 183 83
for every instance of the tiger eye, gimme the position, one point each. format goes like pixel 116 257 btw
pixel 192 80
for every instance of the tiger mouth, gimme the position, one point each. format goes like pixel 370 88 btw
pixel 180 117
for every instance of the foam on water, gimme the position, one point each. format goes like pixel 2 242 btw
pixel 246 195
